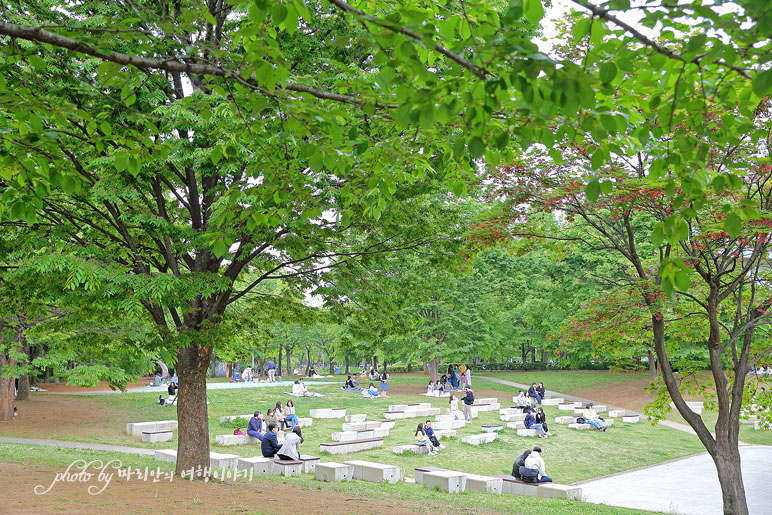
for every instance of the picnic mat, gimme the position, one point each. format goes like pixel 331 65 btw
pixel 314 395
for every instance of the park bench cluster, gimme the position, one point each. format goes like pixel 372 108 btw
pixel 302 422
pixel 453 481
pixel 156 431
pixel 400 411
pixel 257 464
pixel 357 434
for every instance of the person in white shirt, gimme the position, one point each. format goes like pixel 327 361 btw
pixel 534 461
pixel 592 418
pixel 247 375
pixel 291 448
pixel 297 389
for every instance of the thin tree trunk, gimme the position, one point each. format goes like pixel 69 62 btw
pixel 289 361
pixel 524 354
pixel 281 347
pixel 348 369
pixel 212 366
pixel 6 383
pixel 409 367
pixel 192 412
pixel 23 390
pixel 332 369
pixel 653 372
pixel 730 477
pixel 308 359
pixel 375 362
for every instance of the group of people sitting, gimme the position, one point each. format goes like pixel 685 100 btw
pixel 299 389
pixel 425 437
pixel 530 467
pixel 527 400
pixel 590 416
pixel 761 371
pixel 371 391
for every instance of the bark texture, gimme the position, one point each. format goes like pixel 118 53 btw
pixel 192 412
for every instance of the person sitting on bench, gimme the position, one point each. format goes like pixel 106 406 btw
pixel 422 440
pixel 270 445
pixel 534 461
pixel 592 418
pixel 530 423
pixel 534 394
pixel 524 402
pixel 519 462
pixel 541 418
pixel 291 448
pixel 432 437
pixel 255 427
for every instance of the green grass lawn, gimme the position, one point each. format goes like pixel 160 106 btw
pixel 566 381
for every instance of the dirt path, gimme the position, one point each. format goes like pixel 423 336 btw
pixel 179 496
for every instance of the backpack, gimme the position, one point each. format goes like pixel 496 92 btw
pixel 161 400
pixel 529 475
pixel 581 420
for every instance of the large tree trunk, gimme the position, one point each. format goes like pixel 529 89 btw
pixel 375 362
pixel 433 366
pixel 308 360
pixel 730 477
pixel 332 368
pixel 6 383
pixel 523 354
pixel 193 444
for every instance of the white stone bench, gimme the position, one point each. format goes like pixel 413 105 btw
pixel 137 428
pixel 479 439
pixel 599 408
pixel 454 424
pixel 223 461
pixel 616 413
pixel 527 432
pixel 354 426
pixel 353 446
pixel 487 400
pixel 511 411
pixel 444 418
pixel 420 471
pixel 226 440
pixel 287 468
pixel 518 424
pixel 305 422
pixel 348 436
pixel 157 436
pixel 257 464
pixel 328 413
pixel 695 406
pixel 552 401
pixel 514 417
pixel 309 462
pixel 483 484
pixel 566 406
pixel 631 419
pixel 444 433
pixel 566 419
pixel 607 422
pixel 330 472
pixel 231 418
pixel 445 480
pixel 169 455
pixel 394 415
pixel 410 448
pixel 513 486
pixel 359 417
pixel 492 428
pixel 386 424
pixel 376 472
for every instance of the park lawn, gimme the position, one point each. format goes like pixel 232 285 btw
pixel 571 455
pixel 747 433
pixel 565 381
pixel 432 500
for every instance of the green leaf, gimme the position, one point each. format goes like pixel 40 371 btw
pixel 37 62
pixel 658 234
pixel 582 28
pixel 592 189
pixel 733 225
pixel 654 102
pixel 683 279
pixel 534 11
pixel 216 155
pixel 762 83
pixel 657 61
pixel 607 72
pixel 68 185
pixel 106 128
pixel 278 13
pixel 476 147
pixel 220 248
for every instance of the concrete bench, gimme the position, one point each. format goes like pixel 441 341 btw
pixel 137 428
pixel 616 413
pixel 169 455
pixel 514 417
pixel 518 424
pixel 394 415
pixel 444 418
pixel 257 464
pixel 410 448
pixel 352 446
pixel 305 422
pixel 492 428
pixel 226 440
pixel 444 433
pixel 387 424
pixel 449 481
pixel 309 462
pixel 599 408
pixel 454 424
pixel 376 472
pixel 410 407
pixel 287 468
pixel 566 406
pixel 552 401
pixel 607 422
pixel 361 426
pixel 223 461
pixel 511 411
pixel 566 419
pixel 513 486
pixel 483 484
pixel 485 407
pixel 157 436
pixel 527 432
pixel 631 418
pixel 359 417
pixel 420 471
pixel 347 436
pixel 487 400
pixel 330 472
pixel 328 413
pixel 479 439
pixel 695 406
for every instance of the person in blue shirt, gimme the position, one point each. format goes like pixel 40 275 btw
pixel 430 433
pixel 270 445
pixel 530 423
pixel 255 427
pixel 534 394
pixel 271 367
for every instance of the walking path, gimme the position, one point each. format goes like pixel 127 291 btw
pixel 209 386
pixel 78 445
pixel 687 486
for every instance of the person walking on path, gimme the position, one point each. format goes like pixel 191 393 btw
pixel 468 400
pixel 271 366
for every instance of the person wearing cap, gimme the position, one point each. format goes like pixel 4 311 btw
pixel 255 427
pixel 592 418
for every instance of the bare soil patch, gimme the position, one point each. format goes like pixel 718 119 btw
pixel 128 496
pixel 630 395
pixel 100 387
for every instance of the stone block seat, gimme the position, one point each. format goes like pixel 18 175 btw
pixel 359 426
pixel 614 413
pixel 226 440
pixel 450 481
pixel 487 400
pixel 358 417
pixel 566 406
pixel 566 419
pixel 137 428
pixel 513 486
pixel 511 411
pixel 376 472
pixel 309 462
pixel 444 433
pixel 483 484
pixel 410 448
pixel 352 446
pixel 631 418
pixel 552 401
pixel 453 424
pixel 492 428
pixel 527 432
pixel 287 468
pixel 157 436
pixel 328 413
pixel 512 417
pixel 479 439
pixel 219 460
pixel 599 408
pixel 519 424
pixel 257 464
pixel 420 471
pixel 330 471
pixel 169 455
pixel 386 423
pixel 608 422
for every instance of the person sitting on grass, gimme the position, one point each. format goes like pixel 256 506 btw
pixel 534 394
pixel 432 437
pixel 422 440
pixel 530 423
pixel 297 389
pixel 430 388
pixel 270 444
pixel 289 413
pixel 371 392
pixel 255 427
pixel 520 462
pixel 541 418
pixel 534 461
pixel 349 385
pixel 592 418
pixel 291 448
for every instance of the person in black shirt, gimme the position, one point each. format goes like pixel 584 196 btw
pixel 468 402
pixel 541 418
